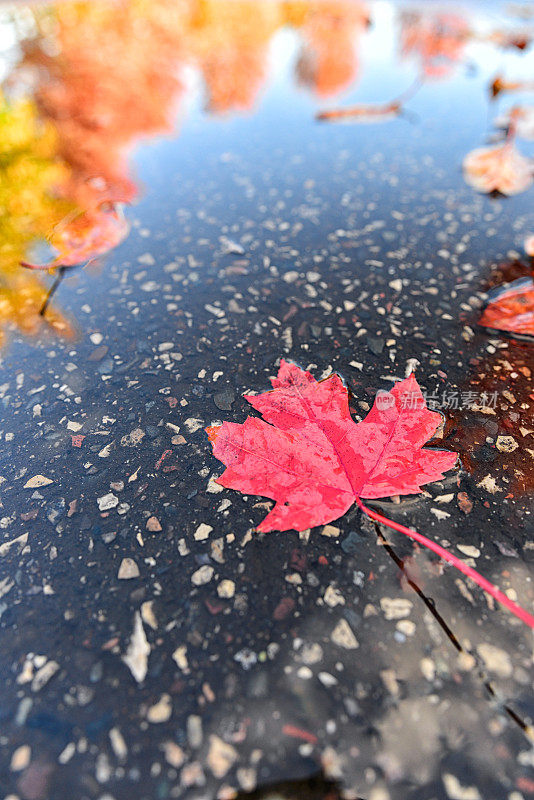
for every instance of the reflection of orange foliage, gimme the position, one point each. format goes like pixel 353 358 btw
pixel 328 61
pixel 437 39
pixel 111 79
pixel 108 71
pixel 229 41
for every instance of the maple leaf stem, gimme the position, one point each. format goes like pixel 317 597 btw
pixel 495 592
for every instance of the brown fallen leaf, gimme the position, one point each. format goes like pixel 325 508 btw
pixel 510 308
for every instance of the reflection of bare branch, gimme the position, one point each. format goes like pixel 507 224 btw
pixel 361 113
pixel 371 112
pixel 500 84
pixel 51 291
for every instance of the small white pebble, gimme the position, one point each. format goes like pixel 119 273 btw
pixel 468 550
pixel 160 711
pixel 202 575
pixel 107 501
pixel 226 589
pixel 21 758
pixel 202 532
pixel 128 569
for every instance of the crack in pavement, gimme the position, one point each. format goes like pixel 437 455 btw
pixel 429 603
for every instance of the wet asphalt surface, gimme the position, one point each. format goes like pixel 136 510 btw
pixel 344 652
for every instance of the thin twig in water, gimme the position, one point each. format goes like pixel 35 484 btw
pixel 52 290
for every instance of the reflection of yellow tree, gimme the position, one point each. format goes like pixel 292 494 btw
pixel 28 211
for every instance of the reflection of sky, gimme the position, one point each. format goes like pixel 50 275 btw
pixel 8 46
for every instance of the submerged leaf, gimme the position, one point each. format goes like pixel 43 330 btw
pixel 86 236
pixel 498 169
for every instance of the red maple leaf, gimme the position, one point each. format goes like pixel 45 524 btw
pixel 315 461
pixel 511 308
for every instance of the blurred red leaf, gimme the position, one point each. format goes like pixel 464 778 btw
pixel 511 308
pixel 436 39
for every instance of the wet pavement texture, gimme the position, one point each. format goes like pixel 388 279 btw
pixel 153 644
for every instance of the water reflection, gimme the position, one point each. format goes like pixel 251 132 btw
pixel 328 61
pixel 435 40
pixel 29 172
pixel 96 82
pixel 104 79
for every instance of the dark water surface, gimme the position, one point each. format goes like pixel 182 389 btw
pixel 256 232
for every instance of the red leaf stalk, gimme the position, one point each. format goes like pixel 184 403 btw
pixel 488 587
